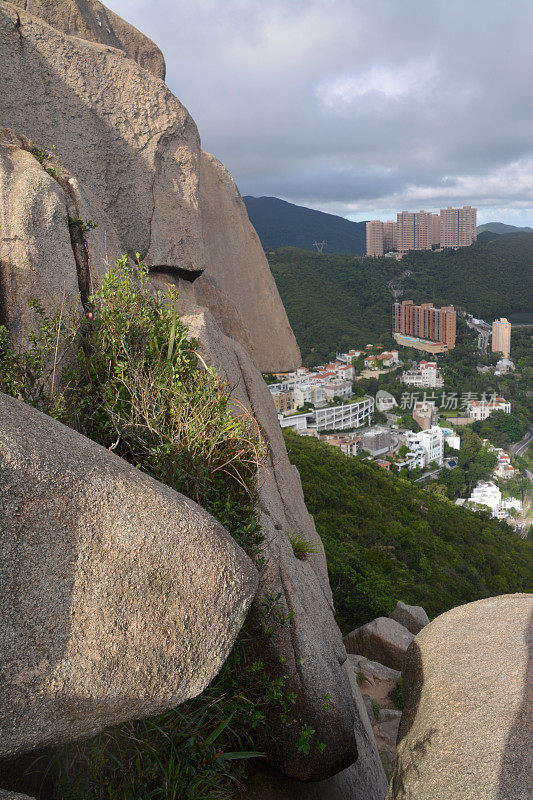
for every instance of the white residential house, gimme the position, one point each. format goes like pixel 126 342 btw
pixel 481 409
pixel 431 442
pixel 342 389
pixel 425 375
pixel 451 438
pixel 388 358
pixel 385 401
pixel 349 357
pixel 308 393
pixel 487 493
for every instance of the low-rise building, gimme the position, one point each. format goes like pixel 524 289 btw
pixel 283 401
pixel 504 366
pixel 425 375
pixel 341 389
pixel 348 444
pixel 425 413
pixel 481 409
pixel 350 356
pixel 385 401
pixel 430 442
pixel 488 494
pixel 371 362
pixel 504 469
pixel 340 417
pixel 311 393
pixel 377 441
pixel 451 438
pixel 388 358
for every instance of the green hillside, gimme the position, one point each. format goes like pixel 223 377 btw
pixel 386 539
pixel 501 227
pixel 282 224
pixel 335 300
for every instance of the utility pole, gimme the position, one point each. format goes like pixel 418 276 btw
pixel 319 246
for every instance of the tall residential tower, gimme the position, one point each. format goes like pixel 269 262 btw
pixel 422 230
pixel 501 337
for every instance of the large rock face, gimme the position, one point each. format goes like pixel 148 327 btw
pixel 36 254
pixel 467 727
pixel 414 618
pixel 89 19
pixel 119 597
pixel 13 796
pixel 364 780
pixel 383 640
pixel 130 160
pixel 310 644
pixel 133 146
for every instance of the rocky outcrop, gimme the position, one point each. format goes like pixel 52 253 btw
pixel 364 780
pixel 383 640
pixel 89 19
pixel 136 156
pixel 467 726
pixel 130 160
pixel 308 648
pixel 120 598
pixel 414 618
pixel 36 254
pixel 13 796
pixel 377 681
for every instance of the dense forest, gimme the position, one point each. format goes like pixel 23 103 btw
pixel 333 301
pixel 282 224
pixel 338 301
pixel 387 539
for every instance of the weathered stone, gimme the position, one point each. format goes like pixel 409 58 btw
pixel 383 640
pixel 36 258
pixel 467 727
pixel 310 643
pixel 414 618
pixel 388 724
pixel 376 681
pixel 140 150
pixel 374 671
pixel 89 19
pixel 120 598
pixel 237 262
pixel 13 796
pixel 365 779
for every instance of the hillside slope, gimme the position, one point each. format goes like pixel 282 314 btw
pixel 501 227
pixel 386 539
pixel 339 300
pixel 282 224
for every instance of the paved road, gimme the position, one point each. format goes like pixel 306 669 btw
pixel 520 448
pixel 427 475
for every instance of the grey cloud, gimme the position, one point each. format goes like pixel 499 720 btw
pixel 344 103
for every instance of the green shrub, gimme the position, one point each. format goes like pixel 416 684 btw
pixel 139 387
pixel 301 547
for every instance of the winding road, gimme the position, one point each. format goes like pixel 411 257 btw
pixel 520 448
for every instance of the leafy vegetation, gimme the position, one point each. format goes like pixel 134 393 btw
pixel 301 547
pixel 386 539
pixel 139 387
pixel 340 301
pixel 333 301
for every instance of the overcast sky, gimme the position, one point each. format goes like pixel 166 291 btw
pixel 358 107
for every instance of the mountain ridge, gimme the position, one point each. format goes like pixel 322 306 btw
pixel 282 224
